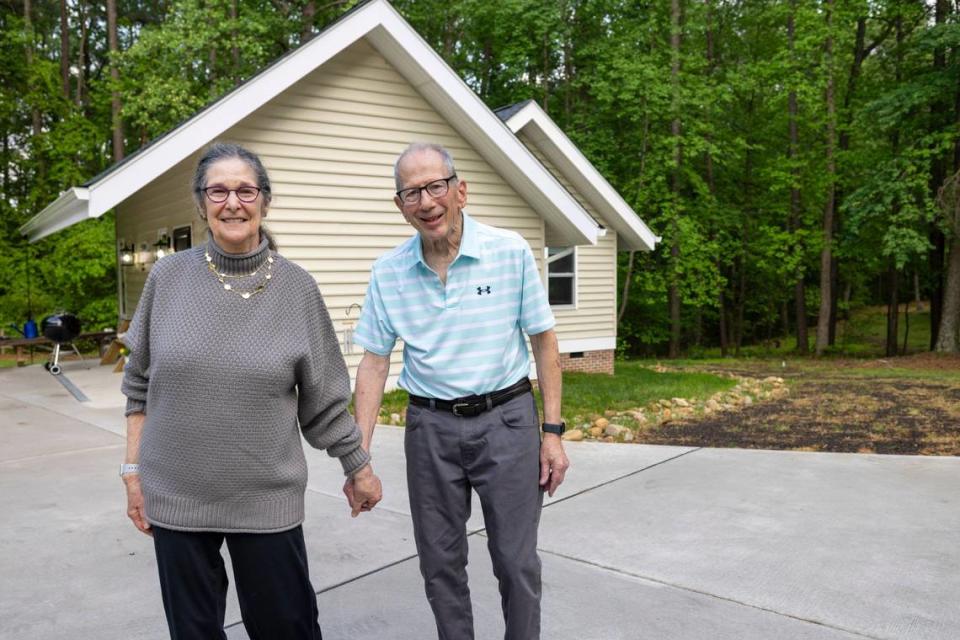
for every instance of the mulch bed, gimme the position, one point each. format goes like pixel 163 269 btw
pixel 831 409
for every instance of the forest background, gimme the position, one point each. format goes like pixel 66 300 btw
pixel 799 157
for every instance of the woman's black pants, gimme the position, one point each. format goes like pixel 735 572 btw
pixel 273 584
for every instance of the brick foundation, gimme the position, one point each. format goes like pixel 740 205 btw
pixel 590 362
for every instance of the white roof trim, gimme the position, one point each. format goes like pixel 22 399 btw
pixel 70 208
pixel 557 147
pixel 401 46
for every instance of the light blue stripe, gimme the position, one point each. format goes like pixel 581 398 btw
pixel 474 345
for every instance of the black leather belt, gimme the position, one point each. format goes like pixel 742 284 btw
pixel 470 406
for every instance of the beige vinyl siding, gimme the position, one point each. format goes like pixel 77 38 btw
pixel 329 143
pixel 165 203
pixel 594 315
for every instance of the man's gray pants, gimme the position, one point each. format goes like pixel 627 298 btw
pixel 496 454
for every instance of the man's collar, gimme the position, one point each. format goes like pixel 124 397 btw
pixel 469 241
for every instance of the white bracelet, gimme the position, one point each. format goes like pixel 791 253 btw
pixel 127 469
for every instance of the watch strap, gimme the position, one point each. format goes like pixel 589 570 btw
pixel 558 429
pixel 128 468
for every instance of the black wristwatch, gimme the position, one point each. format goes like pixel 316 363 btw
pixel 558 429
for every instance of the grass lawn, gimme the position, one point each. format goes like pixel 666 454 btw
pixel 587 395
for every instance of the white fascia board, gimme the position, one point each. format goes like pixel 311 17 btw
pixel 68 209
pixel 464 110
pixel 565 155
pixel 588 344
pixel 229 110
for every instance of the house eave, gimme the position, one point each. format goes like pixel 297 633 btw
pixel 632 233
pixel 70 208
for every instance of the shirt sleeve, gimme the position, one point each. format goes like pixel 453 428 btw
pixel 323 390
pixel 535 314
pixel 136 370
pixel 374 332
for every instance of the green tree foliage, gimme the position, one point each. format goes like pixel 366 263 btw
pixel 744 209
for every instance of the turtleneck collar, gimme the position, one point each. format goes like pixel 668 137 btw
pixel 237 262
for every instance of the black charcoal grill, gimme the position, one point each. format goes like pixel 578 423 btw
pixel 61 329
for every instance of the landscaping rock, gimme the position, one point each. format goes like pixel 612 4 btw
pixel 711 404
pixel 628 436
pixel 595 431
pixel 680 402
pixel 601 422
pixel 609 413
pixel 574 435
pixel 394 418
pixel 615 430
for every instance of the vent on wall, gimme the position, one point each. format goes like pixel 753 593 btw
pixel 576 354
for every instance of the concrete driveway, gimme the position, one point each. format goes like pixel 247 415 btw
pixel 642 542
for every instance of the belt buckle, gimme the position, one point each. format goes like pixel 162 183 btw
pixel 455 409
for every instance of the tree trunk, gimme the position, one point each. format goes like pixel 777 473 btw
pixel 64 50
pixel 234 48
pixel 115 105
pixel 947 336
pixel 906 326
pixel 938 174
pixel 785 319
pixel 36 122
pixel 800 296
pixel 82 54
pixel 893 310
pixel 741 303
pixel 724 343
pixel 674 293
pixel 949 201
pixel 309 15
pixel 826 255
pixel 916 292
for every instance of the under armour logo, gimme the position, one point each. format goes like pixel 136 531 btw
pixel 482 290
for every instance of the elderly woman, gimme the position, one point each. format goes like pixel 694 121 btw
pixel 232 356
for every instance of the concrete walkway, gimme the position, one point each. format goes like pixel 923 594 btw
pixel 642 542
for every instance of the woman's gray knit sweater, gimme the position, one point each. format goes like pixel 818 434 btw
pixel 227 385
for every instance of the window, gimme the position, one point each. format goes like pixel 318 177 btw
pixel 181 238
pixel 561 275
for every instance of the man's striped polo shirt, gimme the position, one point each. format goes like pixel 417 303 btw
pixel 465 337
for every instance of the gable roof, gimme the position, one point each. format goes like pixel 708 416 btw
pixel 533 121
pixel 386 30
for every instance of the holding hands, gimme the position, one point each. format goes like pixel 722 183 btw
pixel 363 491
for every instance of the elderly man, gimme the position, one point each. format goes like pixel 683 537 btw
pixel 461 294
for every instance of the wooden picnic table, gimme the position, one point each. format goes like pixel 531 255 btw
pixel 21 344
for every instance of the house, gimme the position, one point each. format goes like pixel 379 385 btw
pixel 328 119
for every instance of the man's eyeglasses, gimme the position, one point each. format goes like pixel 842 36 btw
pixel 436 189
pixel 220 194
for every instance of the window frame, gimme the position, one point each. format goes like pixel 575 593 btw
pixel 547 260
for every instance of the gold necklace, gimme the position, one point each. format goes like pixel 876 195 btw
pixel 221 277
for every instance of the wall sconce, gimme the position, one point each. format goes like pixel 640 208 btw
pixel 127 255
pixel 145 256
pixel 162 247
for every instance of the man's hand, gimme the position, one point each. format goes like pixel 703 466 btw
pixel 553 463
pixel 135 503
pixel 363 491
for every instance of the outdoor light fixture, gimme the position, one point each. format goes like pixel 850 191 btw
pixel 127 255
pixel 162 247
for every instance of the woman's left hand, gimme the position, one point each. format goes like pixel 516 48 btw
pixel 363 491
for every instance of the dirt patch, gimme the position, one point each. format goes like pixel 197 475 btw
pixel 837 411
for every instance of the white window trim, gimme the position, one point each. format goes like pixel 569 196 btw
pixel 547 259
